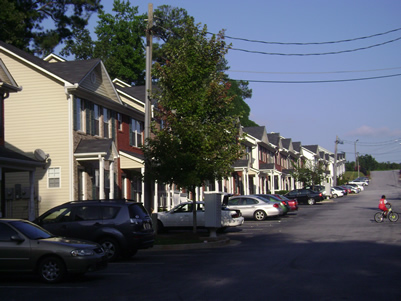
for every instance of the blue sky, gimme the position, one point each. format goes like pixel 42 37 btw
pixel 314 113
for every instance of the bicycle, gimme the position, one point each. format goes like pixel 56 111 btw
pixel 391 215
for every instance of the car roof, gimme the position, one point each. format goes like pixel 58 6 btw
pixel 113 201
pixel 12 220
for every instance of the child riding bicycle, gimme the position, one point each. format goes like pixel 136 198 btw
pixel 382 205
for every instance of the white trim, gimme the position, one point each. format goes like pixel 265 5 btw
pixel 122 153
pixel 70 99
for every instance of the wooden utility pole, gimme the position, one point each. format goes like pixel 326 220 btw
pixel 335 163
pixel 148 104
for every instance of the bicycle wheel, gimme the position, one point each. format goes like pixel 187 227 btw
pixel 393 216
pixel 379 217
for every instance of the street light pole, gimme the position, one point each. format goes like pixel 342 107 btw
pixel 358 164
pixel 355 152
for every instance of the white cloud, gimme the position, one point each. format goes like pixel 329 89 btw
pixel 368 131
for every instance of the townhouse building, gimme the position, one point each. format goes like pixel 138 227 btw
pixel 72 118
pixel 11 161
pixel 80 135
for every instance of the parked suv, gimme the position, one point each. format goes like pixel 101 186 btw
pixel 121 227
pixel 305 196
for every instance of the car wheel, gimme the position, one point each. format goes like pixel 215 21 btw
pixel 259 215
pixel 51 270
pixel 111 248
pixel 311 201
pixel 335 196
pixel 160 227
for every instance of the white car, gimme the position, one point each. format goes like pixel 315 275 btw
pixel 181 216
pixel 359 182
pixel 336 192
pixel 257 208
pixel 358 186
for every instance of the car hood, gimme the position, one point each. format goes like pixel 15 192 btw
pixel 68 242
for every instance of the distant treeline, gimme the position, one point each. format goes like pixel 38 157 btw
pixel 368 163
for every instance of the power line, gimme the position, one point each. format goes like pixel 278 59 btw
pixel 312 43
pixel 313 54
pixel 322 72
pixel 380 143
pixel 316 81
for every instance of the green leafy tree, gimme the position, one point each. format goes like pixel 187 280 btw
pixel 367 162
pixel 169 27
pixel 119 43
pixel 239 91
pixel 82 46
pixel 22 22
pixel 308 175
pixel 199 139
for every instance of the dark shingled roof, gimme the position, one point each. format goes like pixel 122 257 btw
pixel 89 146
pixel 297 146
pixel 274 138
pixel 72 71
pixel 136 155
pixel 286 143
pixel 255 131
pixel 312 148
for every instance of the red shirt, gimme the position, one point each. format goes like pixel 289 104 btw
pixel 382 204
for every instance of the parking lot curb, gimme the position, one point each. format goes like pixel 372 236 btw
pixel 207 243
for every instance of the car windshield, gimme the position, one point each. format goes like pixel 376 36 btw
pixel 30 230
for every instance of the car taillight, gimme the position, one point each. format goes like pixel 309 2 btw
pixel 283 203
pixel 275 205
pixel 320 194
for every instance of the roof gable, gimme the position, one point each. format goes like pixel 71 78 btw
pixel 7 82
pixel 91 75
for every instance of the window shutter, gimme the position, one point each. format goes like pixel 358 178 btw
pixel 113 125
pixel 74 113
pixel 130 132
pixel 88 116
pixel 92 118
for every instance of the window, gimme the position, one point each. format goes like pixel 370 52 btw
pixel 119 122
pixel 110 212
pixel 6 232
pixel 106 117
pixel 136 133
pixel 53 175
pixel 60 215
pixel 88 213
pixel 96 114
pixel 78 123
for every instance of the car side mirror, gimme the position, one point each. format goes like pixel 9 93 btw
pixel 17 238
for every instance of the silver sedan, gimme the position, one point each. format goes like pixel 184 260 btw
pixel 254 207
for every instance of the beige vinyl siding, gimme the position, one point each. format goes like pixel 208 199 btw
pixel 38 117
pixel 100 83
pixel 140 106
pixel 129 163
